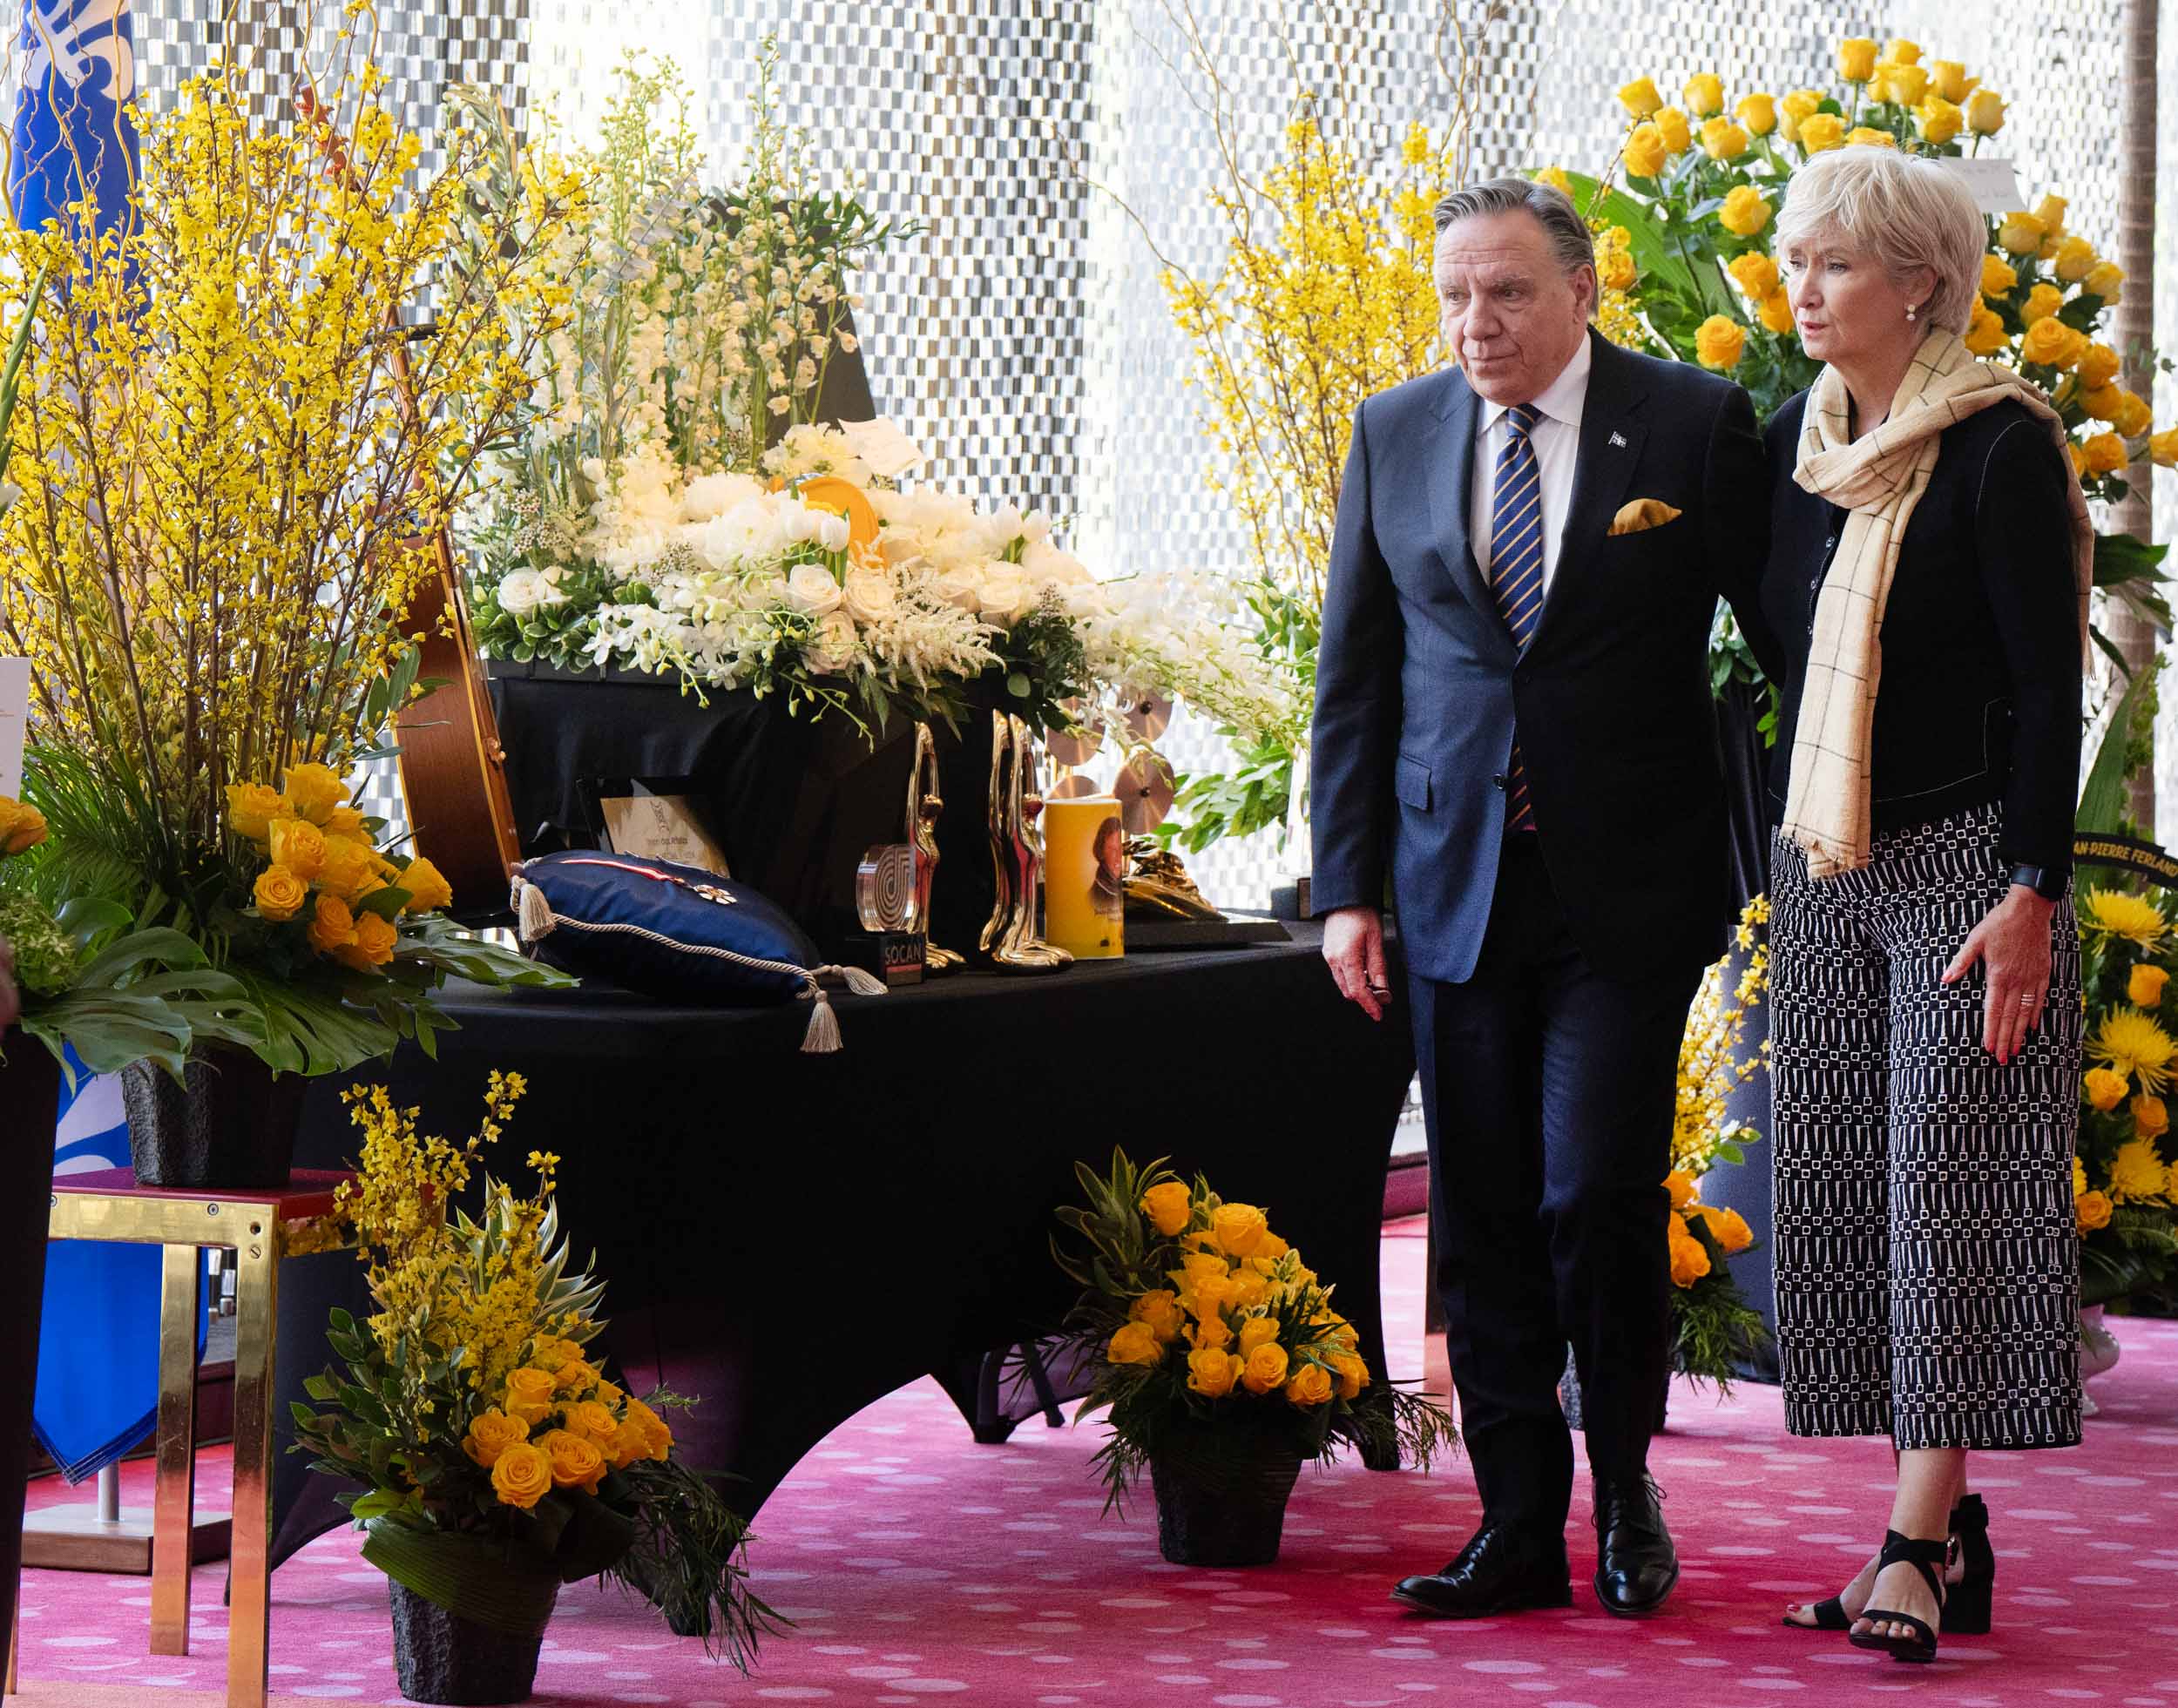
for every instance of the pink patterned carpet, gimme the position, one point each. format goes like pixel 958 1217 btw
pixel 923 1568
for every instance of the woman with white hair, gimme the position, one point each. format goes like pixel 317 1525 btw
pixel 1928 575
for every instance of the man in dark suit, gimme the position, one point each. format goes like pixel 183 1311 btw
pixel 1514 723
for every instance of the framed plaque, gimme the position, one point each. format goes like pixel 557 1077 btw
pixel 654 818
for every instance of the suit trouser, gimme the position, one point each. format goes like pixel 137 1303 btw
pixel 1549 1091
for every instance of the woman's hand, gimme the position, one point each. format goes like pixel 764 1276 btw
pixel 2013 944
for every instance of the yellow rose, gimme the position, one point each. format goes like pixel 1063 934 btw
pixel 2076 259
pixel 1310 1385
pixel 2051 212
pixel 523 1475
pixel 1856 59
pixel 1776 312
pixel 2091 1210
pixel 576 1375
pixel 2104 1089
pixel 1718 341
pixel 348 822
pixel 312 793
pixel 1757 113
pixel 427 889
pixel 1644 152
pixel 1245 1288
pixel 375 941
pixel 2042 302
pixel 2162 448
pixel 1906 85
pixel 2151 1118
pixel 22 827
pixel 279 894
pixel 1903 52
pixel 1353 1373
pixel 1985 112
pixel 1948 78
pixel 1272 1248
pixel 1209 1332
pixel 529 1395
pixel 1200 1266
pixel 1169 1207
pixel 1728 1228
pixel 1986 335
pixel 1240 1227
pixel 1722 140
pixel 2105 453
pixel 1940 120
pixel 332 927
pixel 251 808
pixel 1671 125
pixel 1211 1373
pixel 490 1433
pixel 1257 1332
pixel 2106 281
pixel 1615 267
pixel 2105 402
pixel 2078 1176
pixel 2078 462
pixel 1680 1185
pixel 2133 417
pixel 1744 212
pixel 1640 98
pixel 1998 276
pixel 1161 1311
pixel 1796 109
pixel 1265 1368
pixel 1704 94
pixel 1689 1257
pixel 574 1463
pixel 298 845
pixel 1821 131
pixel 2021 233
pixel 2050 343
pixel 595 1422
pixel 1868 137
pixel 1555 176
pixel 658 1440
pixel 349 868
pixel 1754 273
pixel 1135 1343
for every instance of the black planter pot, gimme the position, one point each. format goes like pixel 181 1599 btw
pixel 30 1095
pixel 441 1656
pixel 1223 1508
pixel 233 1125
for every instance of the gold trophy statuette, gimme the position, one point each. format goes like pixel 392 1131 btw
pixel 1017 853
pixel 925 805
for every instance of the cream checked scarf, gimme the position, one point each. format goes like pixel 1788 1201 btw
pixel 1879 478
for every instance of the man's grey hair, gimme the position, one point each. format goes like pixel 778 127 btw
pixel 1552 209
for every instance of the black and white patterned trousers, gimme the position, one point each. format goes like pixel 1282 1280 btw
pixel 1928 1279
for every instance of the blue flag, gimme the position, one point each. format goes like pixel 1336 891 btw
pixel 72 135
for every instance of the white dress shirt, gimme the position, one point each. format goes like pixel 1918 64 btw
pixel 1556 437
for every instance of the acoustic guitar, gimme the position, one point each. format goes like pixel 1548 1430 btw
pixel 452 768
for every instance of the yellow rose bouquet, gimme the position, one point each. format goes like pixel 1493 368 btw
pixel 2125 1186
pixel 1715 1330
pixel 1215 1347
pixel 498 1458
pixel 1689 272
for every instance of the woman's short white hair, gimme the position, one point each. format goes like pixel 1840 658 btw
pixel 1901 210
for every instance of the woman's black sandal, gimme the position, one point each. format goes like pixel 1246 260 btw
pixel 1966 1608
pixel 1919 1644
pixel 1828 1616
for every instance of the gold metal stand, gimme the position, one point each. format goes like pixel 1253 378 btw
pixel 254 1223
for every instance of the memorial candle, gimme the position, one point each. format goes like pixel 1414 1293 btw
pixel 1085 863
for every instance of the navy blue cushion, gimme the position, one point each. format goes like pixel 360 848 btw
pixel 662 929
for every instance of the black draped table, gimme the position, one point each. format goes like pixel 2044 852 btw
pixel 792 1236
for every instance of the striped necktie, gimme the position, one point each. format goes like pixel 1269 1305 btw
pixel 1516 568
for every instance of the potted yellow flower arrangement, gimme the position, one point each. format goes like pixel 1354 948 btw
pixel 1220 1361
pixel 497 1459
pixel 226 499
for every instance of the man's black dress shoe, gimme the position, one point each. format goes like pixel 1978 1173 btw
pixel 1495 1573
pixel 1636 1565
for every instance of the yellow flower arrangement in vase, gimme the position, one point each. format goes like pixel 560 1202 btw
pixel 2125 1183
pixel 1221 1360
pixel 497 1457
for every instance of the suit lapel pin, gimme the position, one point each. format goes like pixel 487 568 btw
pixel 1619 439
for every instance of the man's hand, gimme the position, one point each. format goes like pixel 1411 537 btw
pixel 1353 945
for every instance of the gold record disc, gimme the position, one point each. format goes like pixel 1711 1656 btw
pixel 1070 748
pixel 1072 788
pixel 1145 790
pixel 1147 714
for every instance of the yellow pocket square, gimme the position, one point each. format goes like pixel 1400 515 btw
pixel 1642 514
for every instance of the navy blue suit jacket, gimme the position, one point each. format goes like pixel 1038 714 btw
pixel 1419 686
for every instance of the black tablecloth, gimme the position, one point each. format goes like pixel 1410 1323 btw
pixel 792 1236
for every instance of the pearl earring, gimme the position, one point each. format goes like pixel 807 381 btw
pixel 1910 311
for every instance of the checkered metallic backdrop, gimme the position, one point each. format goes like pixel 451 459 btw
pixel 1023 338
